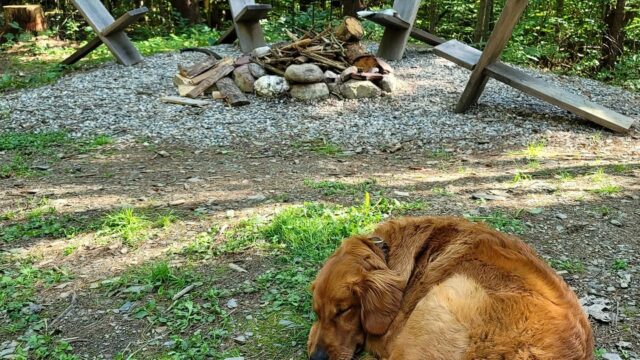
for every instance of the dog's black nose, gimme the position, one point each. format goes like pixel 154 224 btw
pixel 319 354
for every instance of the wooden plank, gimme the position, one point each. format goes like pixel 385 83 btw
pixel 389 21
pixel 394 40
pixel 556 96
pixel 83 51
pixel 500 35
pixel 214 75
pixel 124 21
pixel 459 53
pixel 228 37
pixel 252 13
pixel 211 71
pixel 199 68
pixel 122 48
pixel 95 13
pixel 231 93
pixel 183 101
pixel 426 37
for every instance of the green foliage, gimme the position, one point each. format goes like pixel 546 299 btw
pixel 569 265
pixel 500 221
pixel 620 264
pixel 329 188
pixel 127 224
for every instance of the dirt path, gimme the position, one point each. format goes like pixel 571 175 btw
pixel 106 293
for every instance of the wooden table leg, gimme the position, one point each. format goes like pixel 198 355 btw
pixel 497 41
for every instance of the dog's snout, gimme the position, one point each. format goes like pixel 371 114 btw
pixel 319 354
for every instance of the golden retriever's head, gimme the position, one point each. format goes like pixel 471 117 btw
pixel 354 295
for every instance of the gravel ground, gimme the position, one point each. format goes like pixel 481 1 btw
pixel 125 102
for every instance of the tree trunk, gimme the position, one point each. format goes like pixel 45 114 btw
pixel 188 9
pixel 613 38
pixel 27 17
pixel 483 22
pixel 559 16
pixel 432 10
pixel 351 7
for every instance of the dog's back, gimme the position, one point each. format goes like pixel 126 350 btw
pixel 475 293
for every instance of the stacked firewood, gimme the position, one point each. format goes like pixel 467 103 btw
pixel 310 66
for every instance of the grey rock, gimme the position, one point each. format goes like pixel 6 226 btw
pixel 243 78
pixel 136 289
pixel 330 77
pixel 596 308
pixel 285 323
pixel 355 89
pixel 169 344
pixel 304 74
pixel 232 303
pixel 611 356
pixel 483 196
pixel 126 307
pixel 346 74
pixel 271 86
pixel 561 216
pixel 256 70
pixel 625 280
pixel 261 51
pixel 310 91
pixel 389 83
pixel 616 223
pixel 240 339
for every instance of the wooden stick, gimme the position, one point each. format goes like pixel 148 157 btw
pixel 324 60
pixel 232 94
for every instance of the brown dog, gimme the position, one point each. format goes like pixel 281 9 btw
pixel 444 288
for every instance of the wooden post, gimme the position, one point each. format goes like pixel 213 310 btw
pixel 394 40
pixel 497 41
pixel 28 17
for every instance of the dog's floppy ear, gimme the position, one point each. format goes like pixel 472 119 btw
pixel 380 294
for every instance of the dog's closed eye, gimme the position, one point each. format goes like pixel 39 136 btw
pixel 342 311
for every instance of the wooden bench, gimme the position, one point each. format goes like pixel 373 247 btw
pixel 108 31
pixel 246 25
pixel 397 28
pixel 486 64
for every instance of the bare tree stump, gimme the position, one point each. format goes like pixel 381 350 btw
pixel 28 17
pixel 350 30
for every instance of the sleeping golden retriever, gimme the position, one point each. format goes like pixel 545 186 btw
pixel 444 288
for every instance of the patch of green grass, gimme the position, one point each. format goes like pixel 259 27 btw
pixel 534 150
pixel 128 224
pixel 68 250
pixel 621 168
pixel 329 188
pixel 41 65
pixel 608 190
pixel 565 176
pixel 164 221
pixel 31 142
pixel 620 264
pixel 440 191
pixel 327 148
pixel 572 266
pixel 599 176
pixel 319 146
pixel 520 177
pixel 18 285
pixel 534 164
pixel 603 210
pixel 599 353
pixel 18 167
pixel 41 222
pixel 94 143
pixel 439 154
pixel 500 221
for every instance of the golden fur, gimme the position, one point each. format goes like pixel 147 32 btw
pixel 445 289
